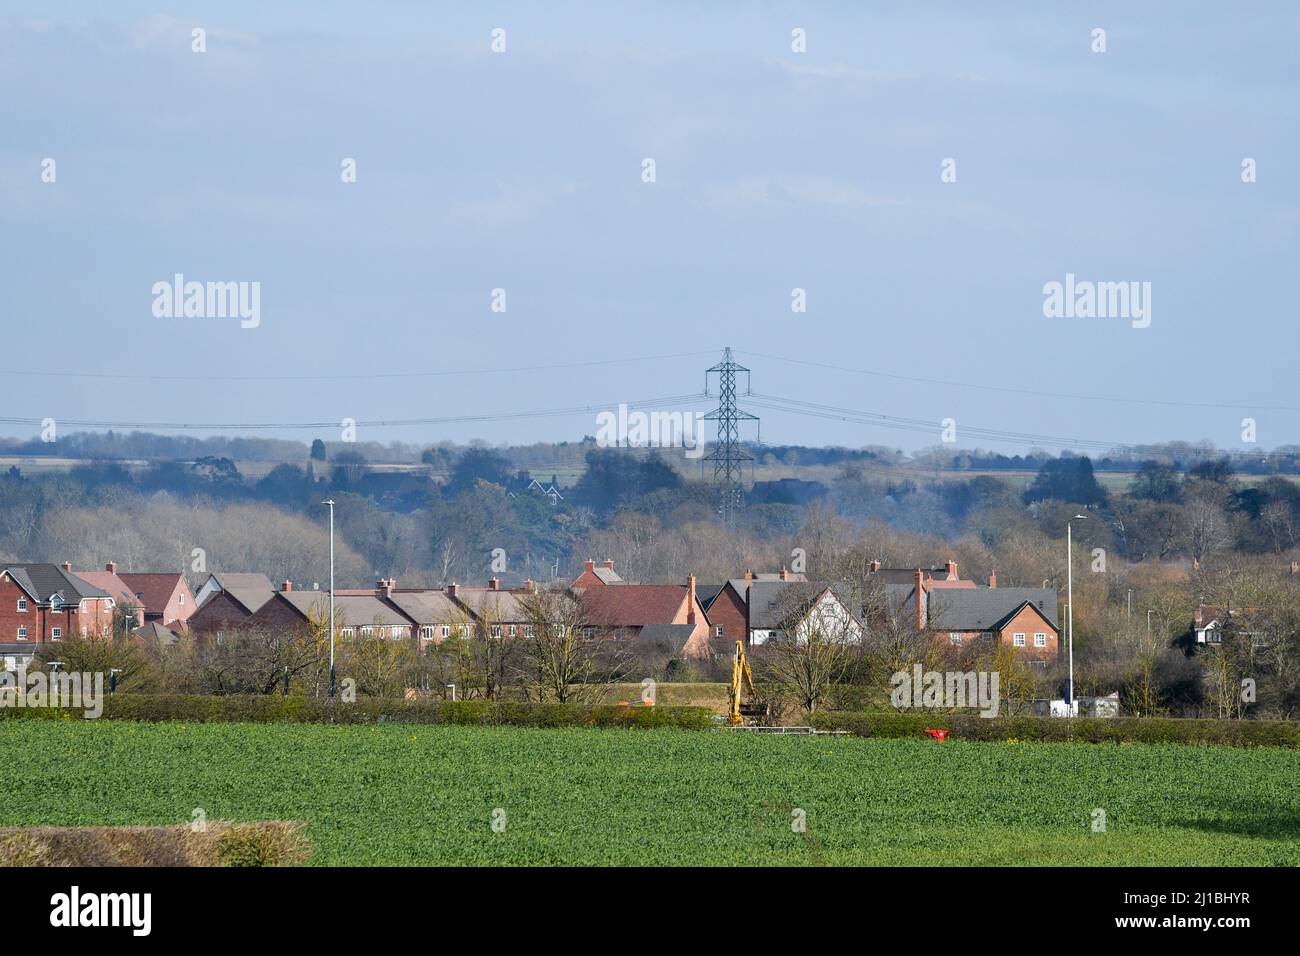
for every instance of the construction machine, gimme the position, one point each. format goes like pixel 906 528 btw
pixel 742 681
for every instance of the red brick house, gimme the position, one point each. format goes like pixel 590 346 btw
pixel 668 612
pixel 1024 619
pixel 228 599
pixel 165 596
pixel 727 606
pixel 41 603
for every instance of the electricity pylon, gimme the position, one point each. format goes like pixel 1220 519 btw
pixel 728 456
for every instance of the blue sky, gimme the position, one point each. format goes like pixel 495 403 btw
pixel 775 170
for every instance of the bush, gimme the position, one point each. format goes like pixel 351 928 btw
pixel 277 709
pixel 1150 730
pixel 270 843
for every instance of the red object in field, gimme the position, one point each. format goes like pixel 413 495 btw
pixel 938 734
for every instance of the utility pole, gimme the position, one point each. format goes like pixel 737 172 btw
pixel 1069 604
pixel 330 503
pixel 728 455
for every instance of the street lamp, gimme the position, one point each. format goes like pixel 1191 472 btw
pixel 1069 605
pixel 330 503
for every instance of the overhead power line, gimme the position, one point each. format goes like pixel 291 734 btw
pixel 379 423
pixel 351 376
pixel 858 416
pixel 984 386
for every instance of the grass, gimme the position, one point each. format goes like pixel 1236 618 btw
pixel 427 794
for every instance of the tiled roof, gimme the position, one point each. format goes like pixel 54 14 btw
pixel 350 610
pixel 985 609
pixel 42 581
pixel 770 602
pixel 153 589
pixel 428 607
pixel 633 605
pixel 112 583
pixel 501 607
pixel 250 589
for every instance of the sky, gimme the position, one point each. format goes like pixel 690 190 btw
pixel 775 169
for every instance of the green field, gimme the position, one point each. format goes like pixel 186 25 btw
pixel 427 794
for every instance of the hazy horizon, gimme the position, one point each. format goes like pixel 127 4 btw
pixel 775 170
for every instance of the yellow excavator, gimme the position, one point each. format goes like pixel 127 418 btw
pixel 742 679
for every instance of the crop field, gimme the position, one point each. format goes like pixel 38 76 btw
pixel 390 794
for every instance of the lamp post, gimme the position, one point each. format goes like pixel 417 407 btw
pixel 1069 606
pixel 330 503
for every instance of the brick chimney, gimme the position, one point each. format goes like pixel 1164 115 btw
pixel 591 565
pixel 749 577
pixel 287 586
pixel 690 599
pixel 875 566
pixel 67 566
pixel 451 589
pixel 785 575
pixel 530 586
pixel 111 567
pixel 920 601
pixel 993 579
pixel 952 570
pixel 494 584
pixel 609 564
pixel 386 586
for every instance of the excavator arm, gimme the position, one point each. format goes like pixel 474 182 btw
pixel 742 683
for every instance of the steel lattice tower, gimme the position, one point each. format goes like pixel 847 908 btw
pixel 728 456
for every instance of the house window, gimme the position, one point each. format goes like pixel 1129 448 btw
pixel 180 599
pixel 717 631
pixel 56 633
pixel 22 633
pixel 1040 640
pixel 513 631
pixel 954 639
pixel 367 631
pixel 22 605
pixel 495 630
pixel 589 633
pixel 1018 640
pixel 986 636
pixel 446 630
pixel 465 630
pixel 528 630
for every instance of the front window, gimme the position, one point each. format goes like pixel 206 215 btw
pixel 56 633
pixel 1018 640
pixel 717 631
pixel 1040 640
pixel 180 599
pixel 954 639
pixel 22 633
pixel 495 630
pixel 22 605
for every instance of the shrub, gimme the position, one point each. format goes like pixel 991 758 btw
pixel 269 843
pixel 1231 733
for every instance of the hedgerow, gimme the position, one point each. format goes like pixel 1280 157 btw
pixel 1150 730
pixel 195 708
